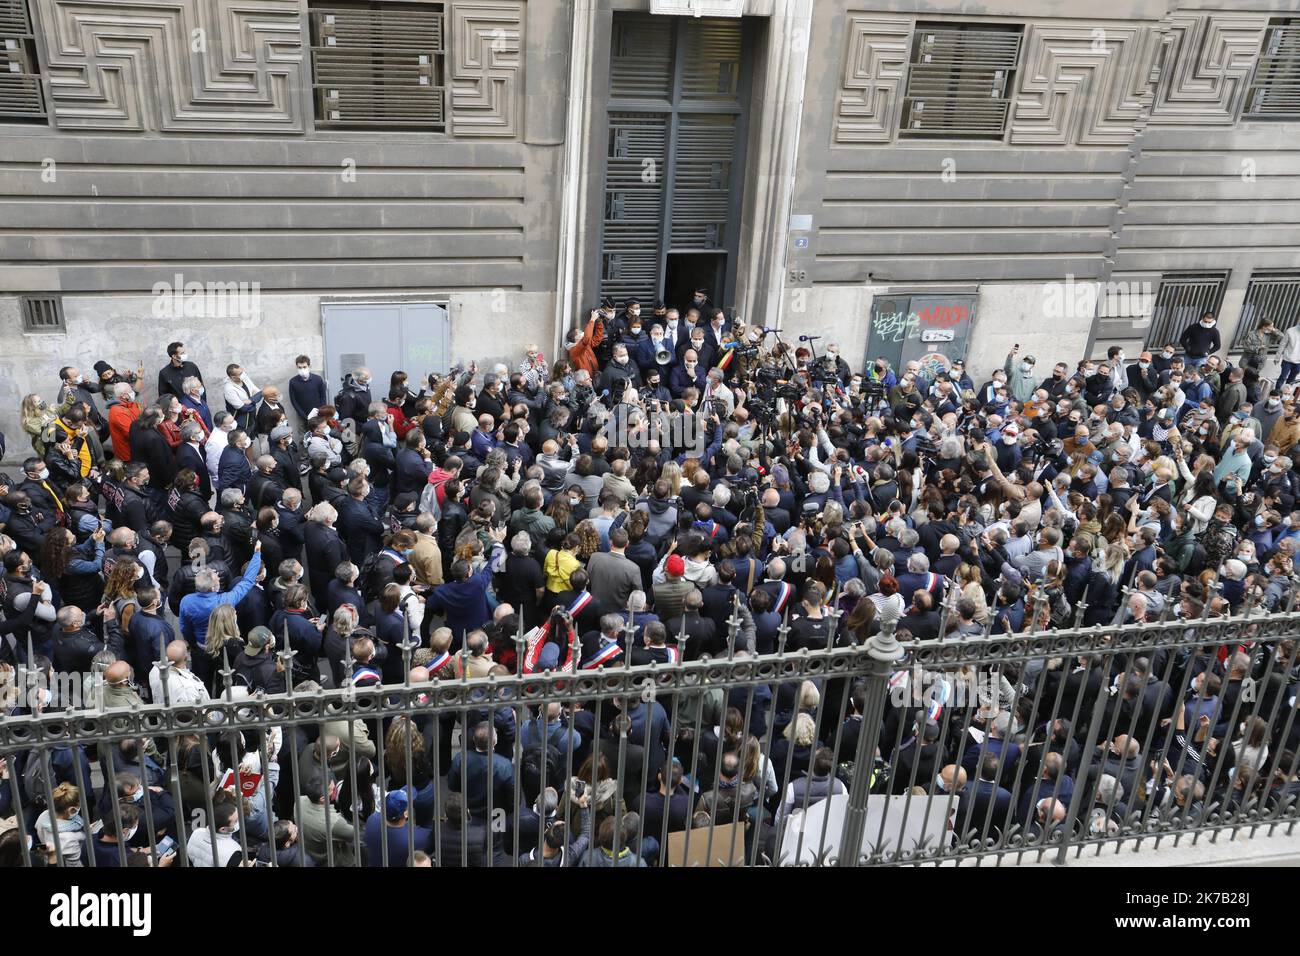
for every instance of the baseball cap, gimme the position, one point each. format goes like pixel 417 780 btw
pixel 257 639
pixel 675 565
pixel 395 805
pixel 1011 575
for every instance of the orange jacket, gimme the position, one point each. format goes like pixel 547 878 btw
pixel 583 355
pixel 120 417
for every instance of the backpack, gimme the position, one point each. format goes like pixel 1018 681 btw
pixel 535 756
pixel 366 582
pixel 35 783
pixel 429 501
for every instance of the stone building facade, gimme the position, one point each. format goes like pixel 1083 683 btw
pixel 456 179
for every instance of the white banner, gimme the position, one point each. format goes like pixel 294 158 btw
pixel 909 828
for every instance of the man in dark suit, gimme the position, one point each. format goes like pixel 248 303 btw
pixel 720 598
pixel 917 759
pixel 190 454
pixel 921 619
pixel 359 527
pixel 701 636
pixel 411 472
pixel 265 490
pixel 985 806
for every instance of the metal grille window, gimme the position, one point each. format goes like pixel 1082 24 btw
pixel 634 205
pixel 1273 296
pixel 960 81
pixel 1275 88
pixel 641 58
pixel 379 66
pixel 1182 300
pixel 42 313
pixel 21 96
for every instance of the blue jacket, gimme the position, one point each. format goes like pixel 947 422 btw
pixel 303 637
pixel 464 603
pixel 199 407
pixel 196 608
pixel 377 832
pixel 233 470
pixel 482 770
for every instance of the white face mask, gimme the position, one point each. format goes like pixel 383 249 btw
pixel 304 373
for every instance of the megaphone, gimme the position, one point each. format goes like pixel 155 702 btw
pixel 664 356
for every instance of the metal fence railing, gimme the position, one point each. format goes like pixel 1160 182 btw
pixel 1039 744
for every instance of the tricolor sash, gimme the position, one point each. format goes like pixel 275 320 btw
pixel 580 604
pixel 439 662
pixel 607 653
pixel 783 592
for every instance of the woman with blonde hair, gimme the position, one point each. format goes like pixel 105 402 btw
pixel 1104 585
pixel 222 641
pixel 337 637
pixel 673 474
pixel 65 817
pixel 795 748
pixel 37 417
pixel 971 582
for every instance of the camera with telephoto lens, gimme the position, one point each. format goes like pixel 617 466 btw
pixel 925 445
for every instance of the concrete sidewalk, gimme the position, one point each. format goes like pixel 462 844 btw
pixel 1219 850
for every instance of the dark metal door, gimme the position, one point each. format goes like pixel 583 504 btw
pixel 675 148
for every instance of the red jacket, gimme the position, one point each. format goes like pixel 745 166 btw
pixel 120 417
pixel 583 355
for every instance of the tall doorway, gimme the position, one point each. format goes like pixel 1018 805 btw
pixel 679 90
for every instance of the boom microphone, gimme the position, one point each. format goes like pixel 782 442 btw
pixel 808 338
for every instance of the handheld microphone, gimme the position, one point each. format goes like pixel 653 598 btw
pixel 808 338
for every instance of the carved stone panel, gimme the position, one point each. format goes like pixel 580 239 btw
pixel 485 43
pixel 175 65
pixel 1084 84
pixel 1207 68
pixel 870 99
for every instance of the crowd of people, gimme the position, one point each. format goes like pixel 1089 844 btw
pixel 676 485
